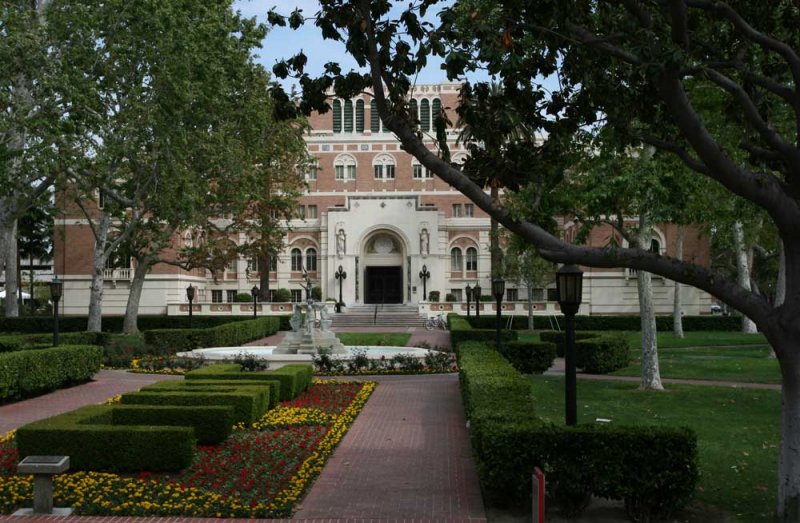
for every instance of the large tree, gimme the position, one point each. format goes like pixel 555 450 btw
pixel 623 62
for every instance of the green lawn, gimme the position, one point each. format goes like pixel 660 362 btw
pixel 737 431
pixel 391 339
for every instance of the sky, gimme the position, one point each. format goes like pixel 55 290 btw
pixel 283 42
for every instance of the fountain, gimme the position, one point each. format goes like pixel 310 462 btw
pixel 311 333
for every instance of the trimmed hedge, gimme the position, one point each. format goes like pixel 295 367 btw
pixel 602 354
pixel 294 379
pixel 15 342
pixel 212 424
pixel 560 339
pixel 29 373
pixel 249 403
pixel 174 340
pixel 531 357
pixel 212 385
pixel 653 469
pixel 92 443
pixel 461 331
pixel 39 324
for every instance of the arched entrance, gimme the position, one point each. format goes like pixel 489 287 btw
pixel 383 255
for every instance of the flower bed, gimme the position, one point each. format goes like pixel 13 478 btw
pixel 259 472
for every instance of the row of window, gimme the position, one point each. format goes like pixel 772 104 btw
pixel 469 210
pixel 383 168
pixel 348 116
pixel 309 212
pixel 457 259
pixel 539 295
pixel 230 295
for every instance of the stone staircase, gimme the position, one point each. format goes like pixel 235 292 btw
pixel 388 315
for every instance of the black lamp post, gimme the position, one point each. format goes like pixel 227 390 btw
pixel 469 297
pixel 254 293
pixel 56 290
pixel 569 281
pixel 476 293
pixel 498 289
pixel 340 275
pixel 190 297
pixel 424 275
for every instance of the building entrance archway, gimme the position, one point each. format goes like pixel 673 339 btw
pixel 384 268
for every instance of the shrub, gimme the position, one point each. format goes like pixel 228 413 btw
pixel 87 436
pixel 212 385
pixel 461 331
pixel 654 470
pixel 281 295
pixel 211 424
pixel 294 379
pixel 449 297
pixel 170 341
pixel 560 339
pixel 602 354
pixel 531 357
pixel 316 293
pixel 243 297
pixel 249 403
pixel 433 296
pixel 28 373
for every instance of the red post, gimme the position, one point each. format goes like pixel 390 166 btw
pixel 538 495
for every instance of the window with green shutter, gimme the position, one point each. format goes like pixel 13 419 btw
pixel 425 115
pixel 348 116
pixel 374 119
pixel 360 116
pixel 337 116
pixel 437 108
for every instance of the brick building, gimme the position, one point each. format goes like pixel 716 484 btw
pixel 373 210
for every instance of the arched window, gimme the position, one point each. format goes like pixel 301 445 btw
pixel 436 109
pixel 344 167
pixel 311 260
pixel 472 259
pixel 360 116
pixel 297 260
pixel 456 260
pixel 655 246
pixel 337 116
pixel 374 118
pixel 383 166
pixel 425 115
pixel 348 116
pixel 273 263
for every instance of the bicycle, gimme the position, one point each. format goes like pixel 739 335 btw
pixel 437 322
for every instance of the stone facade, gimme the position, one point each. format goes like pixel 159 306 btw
pixel 371 209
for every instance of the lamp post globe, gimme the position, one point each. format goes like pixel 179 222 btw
pixel 569 283
pixel 190 297
pixel 340 275
pixel 424 275
pixel 468 292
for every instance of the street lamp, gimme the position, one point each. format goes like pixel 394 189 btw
pixel 254 293
pixel 469 297
pixel 476 293
pixel 340 275
pixel 56 290
pixel 424 275
pixel 190 297
pixel 569 282
pixel 498 289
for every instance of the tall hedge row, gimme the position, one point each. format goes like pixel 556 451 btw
pixel 32 372
pixel 226 335
pixel 15 342
pixel 654 470
pixel 618 323
pixel 34 324
pixel 461 330
pixel 595 352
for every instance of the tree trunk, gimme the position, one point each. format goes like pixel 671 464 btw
pixel 789 460
pixel 494 236
pixel 263 278
pixel 95 321
pixel 9 244
pixel 743 270
pixel 130 323
pixel 677 312
pixel 651 376
pixel 530 306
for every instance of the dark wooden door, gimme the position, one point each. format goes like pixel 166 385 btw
pixel 383 285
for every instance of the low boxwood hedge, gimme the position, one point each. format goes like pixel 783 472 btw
pixel 595 352
pixel 170 341
pixel 654 470
pixel 212 385
pixel 462 331
pixel 294 379
pixel 15 342
pixel 29 373
pixel 249 403
pixel 531 357
pixel 87 436
pixel 212 424
pixel 40 324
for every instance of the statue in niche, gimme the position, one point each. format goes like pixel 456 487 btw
pixel 424 242
pixel 341 238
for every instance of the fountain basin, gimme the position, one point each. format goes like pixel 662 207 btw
pixel 277 361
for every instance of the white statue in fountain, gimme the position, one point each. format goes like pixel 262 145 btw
pixel 312 333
